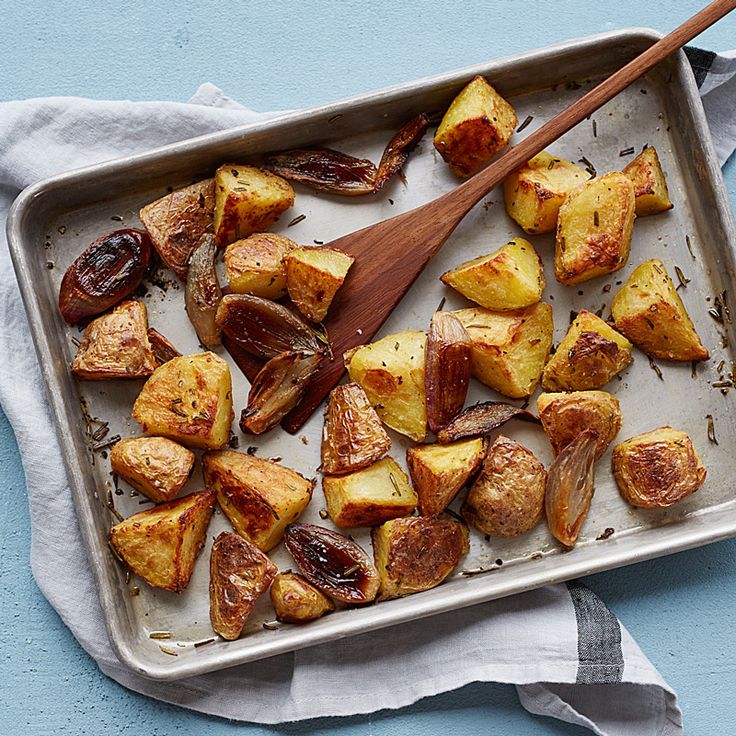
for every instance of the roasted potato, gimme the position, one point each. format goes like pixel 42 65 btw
pixel 189 400
pixel 116 345
pixel 155 466
pixel 509 348
pixel 650 187
pixel 477 125
pixel 260 497
pixel 439 472
pixel 255 265
pixel 391 372
pixel 313 276
pixel 353 436
pixel 588 357
pixel 162 544
pixel 507 497
pixel 594 228
pixel 416 553
pixel 509 278
pixel 534 192
pixel 239 574
pixel 649 311
pixel 657 469
pixel 296 600
pixel 248 200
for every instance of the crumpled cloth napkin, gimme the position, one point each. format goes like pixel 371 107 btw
pixel 566 652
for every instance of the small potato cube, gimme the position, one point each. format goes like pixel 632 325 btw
pixel 370 496
pixel 649 311
pixel 650 187
pixel 416 553
pixel 657 469
pixel 594 229
pixel 155 466
pixel 509 348
pixel 477 125
pixel 534 193
pixel 313 276
pixel 589 356
pixel 296 601
pixel 255 265
pixel 509 278
pixel 247 200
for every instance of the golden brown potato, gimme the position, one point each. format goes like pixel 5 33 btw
pixel 255 265
pixel 116 345
pixel 162 544
pixel 155 466
pixel 534 192
pixel 649 311
pixel 565 416
pixel 477 125
pixel 353 436
pixel 416 553
pixel 509 348
pixel 369 496
pixel 509 278
pixel 296 600
pixel 650 187
pixel 247 200
pixel 657 469
pixel 439 472
pixel 189 400
pixel 391 372
pixel 588 357
pixel 260 497
pixel 507 497
pixel 594 229
pixel 239 574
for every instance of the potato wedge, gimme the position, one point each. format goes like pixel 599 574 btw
pixel 296 601
pixel 649 311
pixel 189 400
pixel 255 265
pixel 650 186
pixel 162 544
pixel 260 497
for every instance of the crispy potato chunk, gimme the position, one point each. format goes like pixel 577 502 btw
pixel 155 466
pixel 162 544
pixel 534 192
pixel 509 348
pixel 189 400
pixel 507 498
pixel 657 469
pixel 589 356
pixel 650 187
pixel 477 125
pixel 313 276
pixel 239 574
pixel 116 345
pixel 649 311
pixel 368 497
pixel 564 416
pixel 416 553
pixel 391 372
pixel 509 278
pixel 296 600
pixel 247 200
pixel 439 472
pixel 594 229
pixel 255 265
pixel 259 497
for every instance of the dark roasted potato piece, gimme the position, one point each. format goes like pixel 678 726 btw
pixel 296 600
pixel 163 350
pixel 203 294
pixel 255 265
pixel 480 419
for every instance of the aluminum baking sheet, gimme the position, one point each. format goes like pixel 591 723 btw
pixel 52 222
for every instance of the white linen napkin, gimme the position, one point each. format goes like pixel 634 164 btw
pixel 566 652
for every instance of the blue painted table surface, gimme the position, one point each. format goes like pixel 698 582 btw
pixel 681 609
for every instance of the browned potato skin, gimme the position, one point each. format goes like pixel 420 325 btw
pixel 657 469
pixel 239 574
pixel 155 466
pixel 296 600
pixel 507 498
pixel 650 186
pixel 255 265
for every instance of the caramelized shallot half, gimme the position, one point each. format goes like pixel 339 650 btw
pixel 163 350
pixel 481 419
pixel 203 294
pixel 398 149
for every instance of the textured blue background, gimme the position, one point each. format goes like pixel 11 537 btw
pixel 287 55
